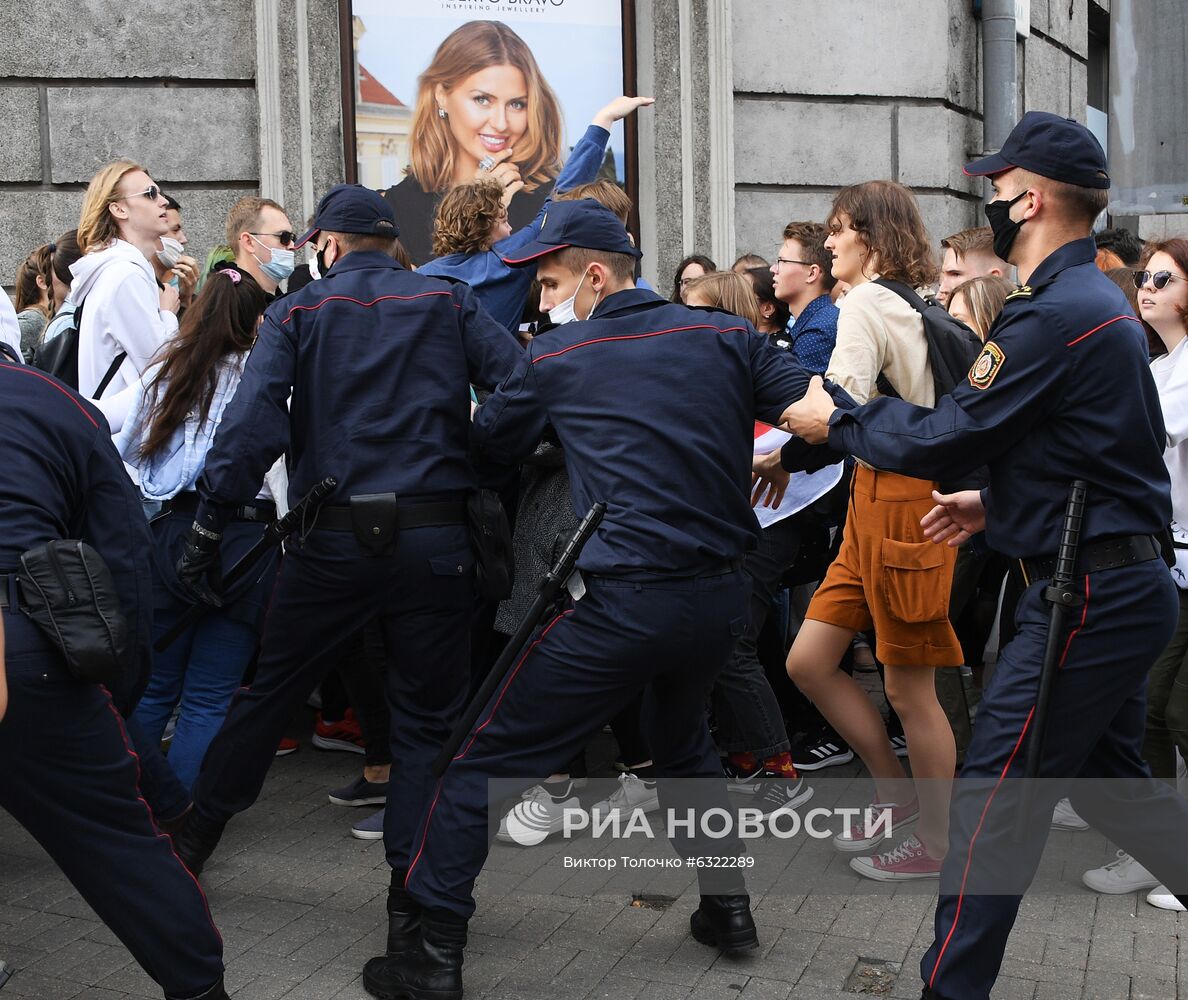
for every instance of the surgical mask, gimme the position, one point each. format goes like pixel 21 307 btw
pixel 314 270
pixel 563 312
pixel 1005 229
pixel 279 266
pixel 171 252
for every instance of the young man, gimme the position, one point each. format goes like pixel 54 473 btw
pixel 1065 377
pixel 664 596
pixel 968 254
pixel 171 264
pixel 260 233
pixel 803 280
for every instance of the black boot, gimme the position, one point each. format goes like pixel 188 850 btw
pixel 433 971
pixel 725 922
pixel 216 992
pixel 404 917
pixel 195 842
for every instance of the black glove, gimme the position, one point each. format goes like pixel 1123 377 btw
pixel 200 568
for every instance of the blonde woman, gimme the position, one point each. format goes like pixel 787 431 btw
pixel 126 317
pixel 978 301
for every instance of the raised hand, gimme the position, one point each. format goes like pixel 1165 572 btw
pixel 620 108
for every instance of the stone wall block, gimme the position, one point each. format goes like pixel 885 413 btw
pixel 179 134
pixel 1078 90
pixel 1039 15
pixel 20 138
pixel 945 214
pixel 1046 77
pixel 842 48
pixel 112 39
pixel 1068 23
pixel 798 142
pixel 934 143
pixel 760 217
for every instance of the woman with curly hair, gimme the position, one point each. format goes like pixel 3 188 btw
pixel 888 576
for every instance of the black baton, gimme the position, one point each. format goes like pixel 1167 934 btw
pixel 550 587
pixel 1061 596
pixel 276 532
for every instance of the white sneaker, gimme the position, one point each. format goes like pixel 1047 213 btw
pixel 1120 876
pixel 1164 900
pixel 1064 817
pixel 535 817
pixel 633 794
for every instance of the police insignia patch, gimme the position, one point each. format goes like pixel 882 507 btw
pixel 983 371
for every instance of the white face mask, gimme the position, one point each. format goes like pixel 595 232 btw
pixel 171 252
pixel 563 312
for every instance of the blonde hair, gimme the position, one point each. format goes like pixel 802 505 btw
pixel 607 193
pixel 469 48
pixel 466 215
pixel 728 291
pixel 97 227
pixel 984 298
pixel 245 216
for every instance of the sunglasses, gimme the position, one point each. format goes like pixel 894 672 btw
pixel 152 193
pixel 1159 279
pixel 285 237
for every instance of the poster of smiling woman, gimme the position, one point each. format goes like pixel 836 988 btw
pixel 446 90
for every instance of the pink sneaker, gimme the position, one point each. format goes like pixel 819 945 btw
pixel 907 861
pixel 859 838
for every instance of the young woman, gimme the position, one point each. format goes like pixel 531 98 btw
pixel 773 314
pixel 1163 307
pixel 887 576
pixel 34 297
pixel 482 107
pixel 169 430
pixel 693 266
pixel 66 253
pixel 978 301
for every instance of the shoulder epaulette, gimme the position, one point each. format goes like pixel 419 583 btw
pixel 1022 292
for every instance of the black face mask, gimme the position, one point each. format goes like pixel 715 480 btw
pixel 323 267
pixel 1005 229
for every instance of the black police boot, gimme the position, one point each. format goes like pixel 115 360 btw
pixel 216 992
pixel 930 994
pixel 433 971
pixel 195 842
pixel 725 922
pixel 404 917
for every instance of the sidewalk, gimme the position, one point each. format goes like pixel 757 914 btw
pixel 300 904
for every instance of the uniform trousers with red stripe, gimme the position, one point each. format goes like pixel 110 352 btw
pixel 69 777
pixel 670 637
pixel 1092 752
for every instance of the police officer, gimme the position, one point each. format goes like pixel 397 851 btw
pixel 67 773
pixel 377 360
pixel 654 404
pixel 1061 392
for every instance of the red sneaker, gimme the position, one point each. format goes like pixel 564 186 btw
pixel 861 838
pixel 901 864
pixel 346 734
pixel 286 747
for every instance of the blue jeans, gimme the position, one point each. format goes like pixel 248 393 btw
pixel 200 672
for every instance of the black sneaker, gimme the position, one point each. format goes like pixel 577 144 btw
pixel 899 745
pixel 819 750
pixel 773 794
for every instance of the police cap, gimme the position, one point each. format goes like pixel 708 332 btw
pixel 584 223
pixel 1046 144
pixel 353 208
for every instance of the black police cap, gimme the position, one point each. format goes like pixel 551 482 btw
pixel 353 208
pixel 584 223
pixel 1046 144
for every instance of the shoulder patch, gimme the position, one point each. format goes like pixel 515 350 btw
pixel 985 368
pixel 1022 292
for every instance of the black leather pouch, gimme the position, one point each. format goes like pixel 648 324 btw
pixel 375 521
pixel 68 592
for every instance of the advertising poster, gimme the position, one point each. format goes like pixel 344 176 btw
pixel 439 84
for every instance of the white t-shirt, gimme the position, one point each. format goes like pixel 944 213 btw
pixel 1171 379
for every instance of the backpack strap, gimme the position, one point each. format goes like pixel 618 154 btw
pixel 905 292
pixel 7 351
pixel 111 372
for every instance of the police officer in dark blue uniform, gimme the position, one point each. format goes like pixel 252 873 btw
pixel 654 404
pixel 1061 392
pixel 67 773
pixel 377 360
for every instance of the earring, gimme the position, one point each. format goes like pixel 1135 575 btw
pixel 441 113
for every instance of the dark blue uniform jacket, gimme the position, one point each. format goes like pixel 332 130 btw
pixel 378 361
pixel 655 406
pixel 61 477
pixel 1062 391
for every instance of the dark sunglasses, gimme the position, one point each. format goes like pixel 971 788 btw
pixel 284 236
pixel 151 193
pixel 1159 279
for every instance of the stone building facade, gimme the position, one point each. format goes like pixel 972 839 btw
pixel 765 108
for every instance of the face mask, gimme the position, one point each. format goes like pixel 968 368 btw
pixel 1005 229
pixel 320 262
pixel 171 252
pixel 279 266
pixel 314 271
pixel 563 312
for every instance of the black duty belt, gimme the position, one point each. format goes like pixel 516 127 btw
pixel 409 515
pixel 257 512
pixel 9 592
pixel 1095 556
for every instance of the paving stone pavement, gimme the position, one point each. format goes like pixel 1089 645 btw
pixel 300 904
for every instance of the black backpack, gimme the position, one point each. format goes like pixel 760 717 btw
pixel 59 356
pixel 952 346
